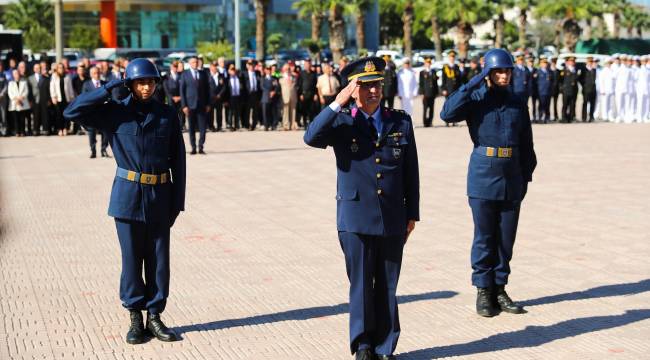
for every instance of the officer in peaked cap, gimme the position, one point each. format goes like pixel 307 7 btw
pixel 377 200
pixel 569 78
pixel 148 189
pixel 500 167
pixel 390 83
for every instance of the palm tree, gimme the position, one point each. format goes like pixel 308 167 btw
pixel 407 19
pixel 314 9
pixel 260 28
pixel 616 8
pixel 500 22
pixel 431 9
pixel 523 6
pixel 336 29
pixel 358 8
pixel 464 13
pixel 35 18
pixel 568 13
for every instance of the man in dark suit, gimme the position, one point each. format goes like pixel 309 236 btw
pixel 428 88
pixel 588 84
pixel 39 95
pixel 217 96
pixel 569 88
pixel 172 86
pixel 307 94
pixel 555 87
pixel 93 83
pixel 390 84
pixel 251 80
pixel 378 201
pixel 234 95
pixel 195 101
pixel 270 95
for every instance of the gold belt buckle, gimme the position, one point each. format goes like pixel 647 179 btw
pixel 163 178
pixel 505 152
pixel 489 151
pixel 148 179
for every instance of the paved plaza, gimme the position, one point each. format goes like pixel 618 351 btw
pixel 258 273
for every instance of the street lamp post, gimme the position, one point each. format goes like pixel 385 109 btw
pixel 237 36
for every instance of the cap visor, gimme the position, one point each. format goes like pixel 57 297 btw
pixel 369 78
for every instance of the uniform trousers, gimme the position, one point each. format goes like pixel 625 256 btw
pixel 630 108
pixel 407 105
pixel 92 139
pixel 373 265
pixel 643 107
pixel 588 105
pixel 427 111
pixel 495 229
pixel 569 107
pixel 604 107
pixel 555 101
pixel 621 104
pixel 144 244
pixel 544 108
pixel 197 118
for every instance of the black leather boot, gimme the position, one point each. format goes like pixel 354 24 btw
pixel 365 354
pixel 484 305
pixel 505 303
pixel 136 333
pixel 159 330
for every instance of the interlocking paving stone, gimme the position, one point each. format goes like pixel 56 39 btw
pixel 257 271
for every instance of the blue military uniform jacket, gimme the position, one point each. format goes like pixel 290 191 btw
pixel 544 82
pixel 495 119
pixel 143 139
pixel 377 177
pixel 522 81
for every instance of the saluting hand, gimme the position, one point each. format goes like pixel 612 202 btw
pixel 345 95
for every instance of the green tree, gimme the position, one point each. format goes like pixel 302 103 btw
pixel 358 8
pixel 211 51
pixel 407 19
pixel 315 9
pixel 567 13
pixel 260 27
pixel 336 28
pixel 430 11
pixel 274 42
pixel 616 8
pixel 391 27
pixel 34 18
pixel 84 37
pixel 635 20
pixel 464 13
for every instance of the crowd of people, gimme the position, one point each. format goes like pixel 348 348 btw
pixel 220 97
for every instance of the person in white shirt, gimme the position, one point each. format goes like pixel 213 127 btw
pixel 407 86
pixel 630 110
pixel 18 102
pixel 621 95
pixel 605 84
pixel 642 90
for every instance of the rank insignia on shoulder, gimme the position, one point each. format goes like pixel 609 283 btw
pixel 561 73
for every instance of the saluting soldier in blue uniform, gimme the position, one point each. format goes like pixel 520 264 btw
pixel 148 190
pixel 500 167
pixel 377 200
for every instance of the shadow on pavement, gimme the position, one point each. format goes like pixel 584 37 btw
pixel 597 292
pixel 531 336
pixel 302 314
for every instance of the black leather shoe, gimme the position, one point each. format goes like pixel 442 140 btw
pixel 484 305
pixel 159 330
pixel 93 155
pixel 105 154
pixel 505 303
pixel 365 354
pixel 193 152
pixel 385 357
pixel 136 334
pixel 201 152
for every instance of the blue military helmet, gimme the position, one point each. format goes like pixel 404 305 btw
pixel 498 59
pixel 141 69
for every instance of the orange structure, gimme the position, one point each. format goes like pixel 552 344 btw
pixel 108 24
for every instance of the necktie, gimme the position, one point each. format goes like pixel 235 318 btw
pixel 375 125
pixel 96 84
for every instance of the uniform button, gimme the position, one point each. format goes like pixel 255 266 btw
pixel 380 191
pixel 377 144
pixel 377 160
pixel 378 175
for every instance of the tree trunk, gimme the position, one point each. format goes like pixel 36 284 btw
pixel 337 31
pixel 522 27
pixel 463 34
pixel 437 41
pixel 316 22
pixel 499 26
pixel 639 32
pixel 260 28
pixel 630 31
pixel 571 31
pixel 587 34
pixel 617 25
pixel 361 33
pixel 407 19
pixel 558 32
